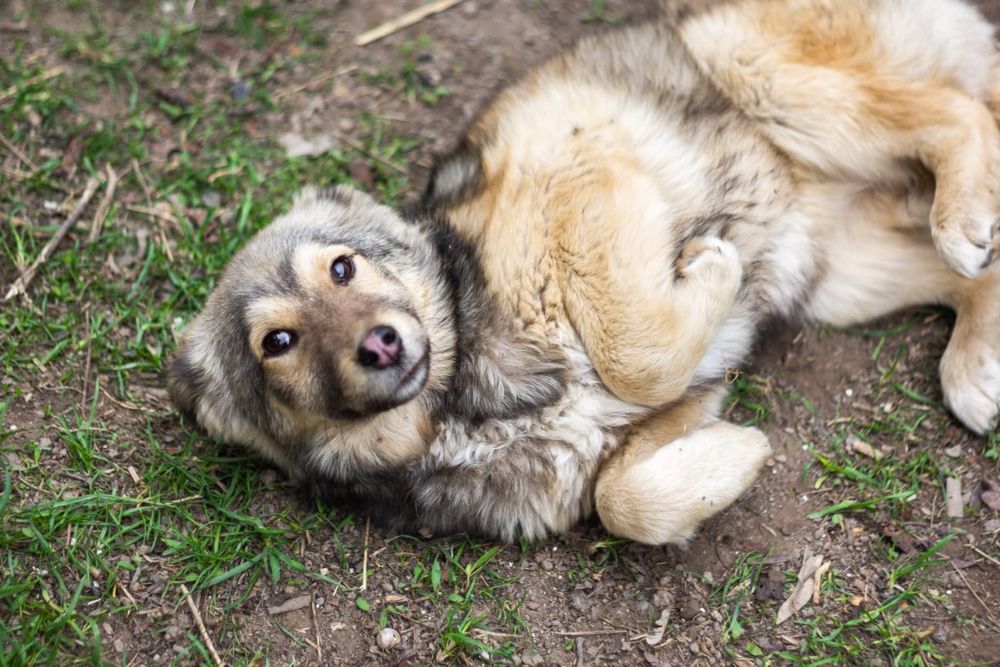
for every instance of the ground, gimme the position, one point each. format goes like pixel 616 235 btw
pixel 123 530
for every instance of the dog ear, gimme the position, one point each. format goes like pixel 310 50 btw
pixel 455 178
pixel 185 382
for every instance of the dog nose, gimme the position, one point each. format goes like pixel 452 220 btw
pixel 380 348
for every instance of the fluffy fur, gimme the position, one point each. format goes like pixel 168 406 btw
pixel 607 241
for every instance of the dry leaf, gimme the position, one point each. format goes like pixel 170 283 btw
pixel 299 602
pixel 803 590
pixel 863 448
pixel 656 636
pixel 296 145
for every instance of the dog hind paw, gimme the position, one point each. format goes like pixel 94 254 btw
pixel 971 384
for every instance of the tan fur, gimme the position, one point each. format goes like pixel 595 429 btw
pixel 638 208
pixel 814 76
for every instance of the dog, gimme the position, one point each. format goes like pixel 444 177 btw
pixel 550 333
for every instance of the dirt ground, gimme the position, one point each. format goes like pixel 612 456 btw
pixel 850 414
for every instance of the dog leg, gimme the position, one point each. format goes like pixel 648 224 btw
pixel 852 89
pixel 646 333
pixel 676 470
pixel 970 367
pixel 879 259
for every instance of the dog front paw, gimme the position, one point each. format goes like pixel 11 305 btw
pixel 970 379
pixel 712 264
pixel 966 237
pixel 965 217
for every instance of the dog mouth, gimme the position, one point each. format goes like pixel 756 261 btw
pixel 414 379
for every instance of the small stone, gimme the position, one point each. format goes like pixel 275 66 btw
pixel 992 499
pixel 387 639
pixel 693 647
pixel 361 171
pixel 211 199
pixel 954 452
pixel 240 90
pixel 992 525
pixel 548 565
pixel 268 476
pixel 346 124
pixel 690 610
pixel 320 601
pixel 119 646
pixel 940 635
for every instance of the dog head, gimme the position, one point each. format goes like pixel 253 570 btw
pixel 324 340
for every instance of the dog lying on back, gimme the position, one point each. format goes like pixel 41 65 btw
pixel 552 333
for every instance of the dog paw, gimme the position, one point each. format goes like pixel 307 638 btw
pixel 965 217
pixel 712 262
pixel 966 237
pixel 970 380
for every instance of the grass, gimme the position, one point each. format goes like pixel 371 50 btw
pixel 109 504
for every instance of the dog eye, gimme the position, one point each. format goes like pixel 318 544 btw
pixel 342 270
pixel 278 342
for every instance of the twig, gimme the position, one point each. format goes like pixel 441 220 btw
pixel 364 151
pixel 364 560
pixel 20 285
pixel 86 373
pixel 405 21
pixel 153 213
pixel 989 614
pixel 281 94
pixel 20 26
pixel 143 183
pixel 102 209
pixel 18 153
pixel 201 627
pixel 590 633
pixel 319 645
pixel 984 554
pixel 44 76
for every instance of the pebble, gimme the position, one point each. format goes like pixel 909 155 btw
pixel 548 565
pixel 240 90
pixel 387 639
pixel 211 199
pixel 690 610
pixel 940 635
pixel 992 525
pixel 268 476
